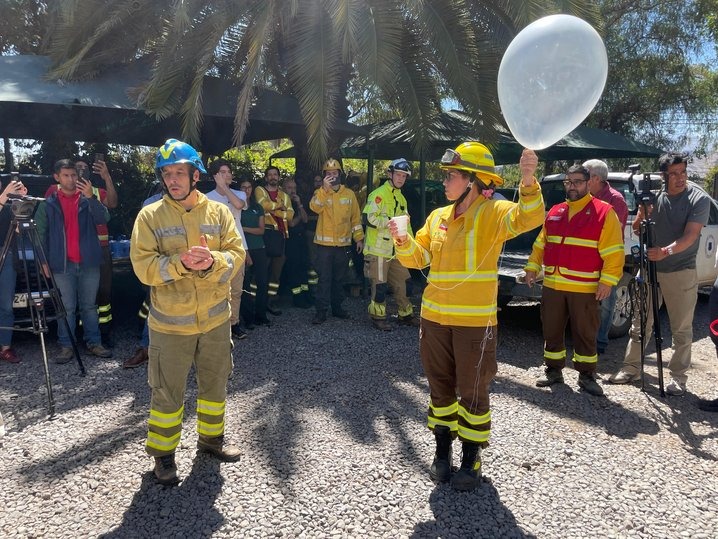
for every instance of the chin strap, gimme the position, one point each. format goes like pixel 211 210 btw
pixel 486 190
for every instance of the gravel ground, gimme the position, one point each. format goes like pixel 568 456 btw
pixel 332 425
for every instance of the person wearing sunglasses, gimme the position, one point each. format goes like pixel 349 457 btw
pixel 461 244
pixel 581 249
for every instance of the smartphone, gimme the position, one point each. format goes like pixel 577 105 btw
pixel 85 173
pixel 99 157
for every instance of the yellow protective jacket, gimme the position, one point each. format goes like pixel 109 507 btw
pixel 186 302
pixel 463 256
pixel 384 203
pixel 339 217
pixel 610 249
pixel 272 209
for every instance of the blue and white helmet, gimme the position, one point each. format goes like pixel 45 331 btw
pixel 401 164
pixel 174 152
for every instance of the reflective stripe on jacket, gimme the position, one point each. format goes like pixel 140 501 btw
pixel 463 254
pixel 186 302
pixel 272 211
pixel 384 203
pixel 579 245
pixel 339 218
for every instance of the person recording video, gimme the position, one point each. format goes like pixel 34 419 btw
pixel 8 274
pixel 680 212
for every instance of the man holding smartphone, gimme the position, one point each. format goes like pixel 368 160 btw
pixel 339 222
pixel 67 224
pixel 108 197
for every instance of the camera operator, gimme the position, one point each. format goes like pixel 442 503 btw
pixel 8 275
pixel 680 212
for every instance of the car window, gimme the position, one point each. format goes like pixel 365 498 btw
pixel 553 193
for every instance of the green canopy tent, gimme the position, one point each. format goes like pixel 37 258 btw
pixel 102 110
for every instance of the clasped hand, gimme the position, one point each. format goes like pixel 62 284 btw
pixel 198 257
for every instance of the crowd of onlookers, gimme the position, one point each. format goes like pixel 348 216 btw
pixel 274 218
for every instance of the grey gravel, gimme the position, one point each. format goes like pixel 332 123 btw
pixel 332 424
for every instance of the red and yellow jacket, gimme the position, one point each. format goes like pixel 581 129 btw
pixel 463 256
pixel 279 210
pixel 580 245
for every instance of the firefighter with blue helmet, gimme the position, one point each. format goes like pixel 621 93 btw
pixel 380 265
pixel 186 249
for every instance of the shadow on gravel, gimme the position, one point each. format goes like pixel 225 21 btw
pixel 343 374
pixel 96 449
pixel 186 510
pixel 679 420
pixel 480 513
pixel 561 400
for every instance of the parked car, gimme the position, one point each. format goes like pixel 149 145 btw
pixel 517 250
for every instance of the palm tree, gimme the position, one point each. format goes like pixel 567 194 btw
pixel 408 54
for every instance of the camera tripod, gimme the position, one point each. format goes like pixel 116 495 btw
pixel 39 285
pixel 647 281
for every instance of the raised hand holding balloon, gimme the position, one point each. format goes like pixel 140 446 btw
pixel 550 78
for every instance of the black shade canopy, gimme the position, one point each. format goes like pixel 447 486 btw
pixel 101 109
pixel 391 139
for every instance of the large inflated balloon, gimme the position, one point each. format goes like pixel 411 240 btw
pixel 550 78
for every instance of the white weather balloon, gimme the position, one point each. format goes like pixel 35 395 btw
pixel 551 76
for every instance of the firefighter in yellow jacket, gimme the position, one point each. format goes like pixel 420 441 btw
pixel 581 248
pixel 187 249
pixel 461 244
pixel 380 264
pixel 339 222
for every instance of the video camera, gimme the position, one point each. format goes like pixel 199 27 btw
pixel 647 185
pixel 23 206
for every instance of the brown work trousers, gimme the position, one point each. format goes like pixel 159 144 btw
pixel 583 311
pixel 459 359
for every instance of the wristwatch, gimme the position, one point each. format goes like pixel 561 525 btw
pixel 668 250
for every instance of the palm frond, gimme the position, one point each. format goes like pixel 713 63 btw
pixel 255 43
pixel 414 93
pixel 378 38
pixel 314 69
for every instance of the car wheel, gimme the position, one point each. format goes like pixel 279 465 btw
pixel 621 322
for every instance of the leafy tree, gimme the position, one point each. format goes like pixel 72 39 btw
pixel 407 55
pixel 662 85
pixel 23 26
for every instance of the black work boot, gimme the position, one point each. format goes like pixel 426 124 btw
pixel 215 446
pixel 551 376
pixel 381 324
pixel 440 470
pixel 166 470
pixel 468 476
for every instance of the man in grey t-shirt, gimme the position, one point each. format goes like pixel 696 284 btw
pixel 680 213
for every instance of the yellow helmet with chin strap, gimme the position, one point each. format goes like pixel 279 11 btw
pixel 472 157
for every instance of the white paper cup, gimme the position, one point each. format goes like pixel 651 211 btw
pixel 401 222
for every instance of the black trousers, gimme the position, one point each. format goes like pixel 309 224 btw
pixel 332 265
pixel 255 288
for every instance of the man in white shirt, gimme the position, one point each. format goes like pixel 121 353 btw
pixel 236 201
